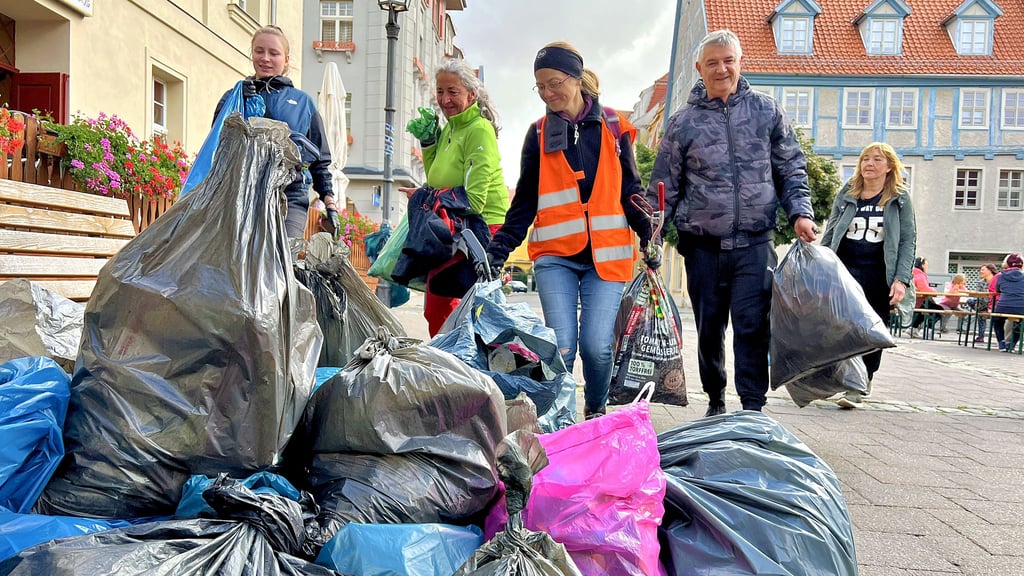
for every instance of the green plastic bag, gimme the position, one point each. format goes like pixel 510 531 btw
pixel 384 265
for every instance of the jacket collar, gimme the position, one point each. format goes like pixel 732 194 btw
pixel 557 128
pixel 272 84
pixel 466 116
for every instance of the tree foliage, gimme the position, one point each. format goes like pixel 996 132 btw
pixel 823 179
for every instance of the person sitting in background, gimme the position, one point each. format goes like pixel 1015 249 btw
pixel 921 285
pixel 1010 290
pixel 987 283
pixel 958 285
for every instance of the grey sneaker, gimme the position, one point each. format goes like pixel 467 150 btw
pixel 850 400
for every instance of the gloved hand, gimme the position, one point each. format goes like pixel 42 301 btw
pixel 425 128
pixel 652 257
pixel 332 217
pixel 248 88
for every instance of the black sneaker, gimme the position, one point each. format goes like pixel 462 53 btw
pixel 588 415
pixel 715 410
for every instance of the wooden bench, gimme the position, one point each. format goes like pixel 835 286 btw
pixel 933 316
pixel 1004 317
pixel 58 238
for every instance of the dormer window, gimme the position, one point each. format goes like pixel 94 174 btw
pixel 793 24
pixel 881 27
pixel 970 27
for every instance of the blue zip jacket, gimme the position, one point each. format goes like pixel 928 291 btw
pixel 1010 287
pixel 728 166
pixel 288 104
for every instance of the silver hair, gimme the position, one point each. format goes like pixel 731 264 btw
pixel 720 38
pixel 467 75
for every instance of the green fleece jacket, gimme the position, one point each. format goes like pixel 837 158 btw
pixel 466 154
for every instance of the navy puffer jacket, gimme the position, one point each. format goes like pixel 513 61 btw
pixel 294 107
pixel 728 166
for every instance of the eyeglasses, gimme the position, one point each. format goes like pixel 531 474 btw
pixel 552 86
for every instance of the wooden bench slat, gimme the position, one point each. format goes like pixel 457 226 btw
pixel 49 266
pixel 34 195
pixel 51 220
pixel 23 242
pixel 77 290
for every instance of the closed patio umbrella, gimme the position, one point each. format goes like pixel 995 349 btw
pixel 331 104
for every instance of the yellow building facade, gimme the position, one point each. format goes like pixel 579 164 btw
pixel 160 65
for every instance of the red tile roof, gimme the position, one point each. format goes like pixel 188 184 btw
pixel 838 50
pixel 660 89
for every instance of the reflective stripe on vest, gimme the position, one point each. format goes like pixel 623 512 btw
pixel 563 222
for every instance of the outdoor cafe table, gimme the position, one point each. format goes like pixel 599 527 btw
pixel 972 318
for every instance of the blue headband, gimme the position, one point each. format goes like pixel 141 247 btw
pixel 559 59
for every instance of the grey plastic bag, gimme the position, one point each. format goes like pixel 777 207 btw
pixel 199 348
pixel 745 496
pixel 848 375
pixel 819 315
pixel 39 322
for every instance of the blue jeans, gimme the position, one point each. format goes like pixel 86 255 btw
pixel 561 284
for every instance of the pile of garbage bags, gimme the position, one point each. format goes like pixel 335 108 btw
pixel 202 433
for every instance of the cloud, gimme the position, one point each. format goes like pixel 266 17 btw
pixel 628 45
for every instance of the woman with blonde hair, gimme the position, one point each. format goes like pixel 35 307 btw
pixel 577 173
pixel 873 231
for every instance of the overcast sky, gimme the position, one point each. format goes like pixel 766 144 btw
pixel 627 44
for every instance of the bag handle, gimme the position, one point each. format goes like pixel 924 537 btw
pixel 646 392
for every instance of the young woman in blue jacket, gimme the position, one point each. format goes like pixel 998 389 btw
pixel 288 104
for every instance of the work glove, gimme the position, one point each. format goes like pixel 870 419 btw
pixel 652 256
pixel 335 220
pixel 248 88
pixel 425 128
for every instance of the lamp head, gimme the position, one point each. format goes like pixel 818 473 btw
pixel 393 5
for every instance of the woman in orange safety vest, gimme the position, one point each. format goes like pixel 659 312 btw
pixel 576 176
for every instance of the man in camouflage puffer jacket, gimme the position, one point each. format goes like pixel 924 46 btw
pixel 728 160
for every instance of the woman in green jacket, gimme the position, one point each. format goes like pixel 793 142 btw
pixel 463 153
pixel 873 231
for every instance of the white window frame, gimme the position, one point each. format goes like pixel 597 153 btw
pixel 846 171
pixel 1017 110
pixel 794 113
pixel 858 108
pixel 967 36
pixel 984 108
pixel 882 28
pixel 159 107
pixel 340 16
pixel 800 39
pixel 908 179
pixel 963 189
pixel 889 108
pixel 1011 190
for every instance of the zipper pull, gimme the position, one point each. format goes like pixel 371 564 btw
pixel 575 134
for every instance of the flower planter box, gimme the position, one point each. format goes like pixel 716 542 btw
pixel 48 144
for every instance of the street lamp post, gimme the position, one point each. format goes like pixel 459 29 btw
pixel 393 7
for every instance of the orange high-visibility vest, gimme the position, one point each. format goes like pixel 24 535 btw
pixel 563 221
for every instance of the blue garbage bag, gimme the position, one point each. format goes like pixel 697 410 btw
pixel 204 159
pixel 21 531
pixel 400 549
pixel 746 496
pixel 193 505
pixel 510 343
pixel 34 395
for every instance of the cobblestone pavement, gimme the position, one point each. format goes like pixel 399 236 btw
pixel 932 467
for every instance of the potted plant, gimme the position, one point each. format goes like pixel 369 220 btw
pixel 12 132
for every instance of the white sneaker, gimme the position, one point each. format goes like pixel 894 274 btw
pixel 850 400
pixel 868 391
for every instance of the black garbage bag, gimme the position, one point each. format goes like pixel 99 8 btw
pixel 199 348
pixel 816 300
pixel 39 322
pixel 511 344
pixel 516 551
pixel 848 375
pixel 169 548
pixel 405 433
pixel 346 310
pixel 745 496
pixel 648 344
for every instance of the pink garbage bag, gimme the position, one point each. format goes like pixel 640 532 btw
pixel 602 493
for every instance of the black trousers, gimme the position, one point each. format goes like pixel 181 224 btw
pixel 877 292
pixel 736 283
pixel 919 317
